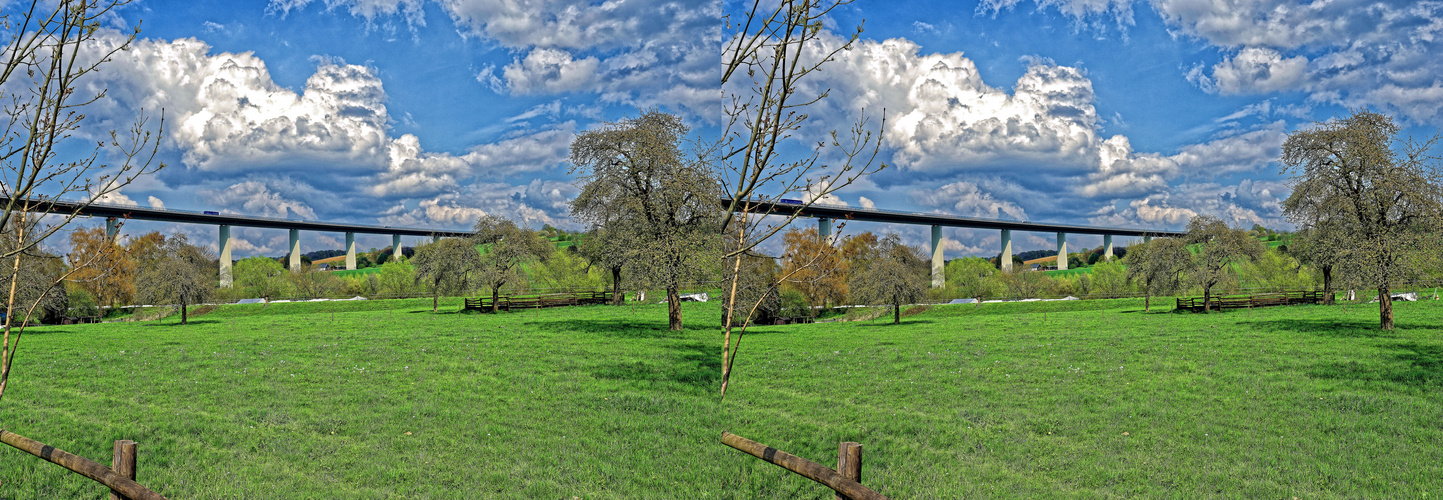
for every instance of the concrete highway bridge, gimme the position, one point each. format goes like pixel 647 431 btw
pixel 113 213
pixel 825 214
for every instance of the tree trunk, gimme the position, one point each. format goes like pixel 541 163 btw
pixel 182 313
pixel 896 314
pixel 1385 307
pixel 435 299
pixel 1327 284
pixel 1146 302
pixel 618 297
pixel 1207 299
pixel 495 299
pixel 673 308
pixel 728 310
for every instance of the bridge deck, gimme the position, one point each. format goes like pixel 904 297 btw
pixel 898 217
pixel 189 217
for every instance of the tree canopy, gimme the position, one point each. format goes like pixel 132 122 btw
pixel 446 265
pixel 896 274
pixel 1371 203
pixel 654 200
pixel 1216 248
pixel 1157 267
pixel 507 246
pixel 101 267
pixel 261 277
pixel 813 267
pixel 183 274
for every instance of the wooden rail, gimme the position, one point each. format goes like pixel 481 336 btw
pixel 509 302
pixel 115 479
pixel 849 460
pixel 1224 302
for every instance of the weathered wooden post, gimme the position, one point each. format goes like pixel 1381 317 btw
pixel 838 482
pixel 122 461
pixel 849 463
pixel 107 476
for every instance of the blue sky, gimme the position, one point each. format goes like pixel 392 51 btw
pixel 408 112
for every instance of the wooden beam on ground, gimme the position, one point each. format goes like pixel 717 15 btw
pixel 806 468
pixel 81 465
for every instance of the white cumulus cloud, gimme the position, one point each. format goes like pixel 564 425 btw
pixel 228 113
pixel 1259 70
pixel 550 71
pixel 966 198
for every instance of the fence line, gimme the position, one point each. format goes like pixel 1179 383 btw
pixel 114 479
pixel 509 302
pixel 1248 301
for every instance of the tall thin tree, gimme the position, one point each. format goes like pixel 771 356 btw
pixel 51 49
pixel 774 49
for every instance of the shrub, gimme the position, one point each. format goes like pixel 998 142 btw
pixel 973 277
pixel 396 277
pixel 795 305
pixel 81 304
pixel 1109 279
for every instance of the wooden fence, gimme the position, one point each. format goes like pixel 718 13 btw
pixel 119 477
pixel 1223 302
pixel 846 480
pixel 507 302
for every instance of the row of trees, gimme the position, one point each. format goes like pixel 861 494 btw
pixel 150 268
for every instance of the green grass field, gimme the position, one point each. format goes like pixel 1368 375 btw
pixel 347 273
pixel 1086 399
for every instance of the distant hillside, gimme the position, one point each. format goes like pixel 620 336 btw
pixel 1036 254
pixel 1051 259
pixel 320 255
pixel 330 260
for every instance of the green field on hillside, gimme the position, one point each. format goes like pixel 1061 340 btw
pixel 1078 399
pixel 346 273
pixel 1068 272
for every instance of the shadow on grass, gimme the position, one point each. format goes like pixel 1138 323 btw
pixel 879 323
pixel 1417 365
pixel 441 311
pixel 611 327
pixel 1332 327
pixel 694 365
pixel 175 323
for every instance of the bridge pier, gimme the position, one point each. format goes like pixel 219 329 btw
pixel 350 251
pixel 295 258
pixel 1061 251
pixel 112 229
pixel 1006 259
pixel 824 229
pixel 939 277
pixel 396 247
pixel 226 279
pixel 1107 247
pixel 1147 239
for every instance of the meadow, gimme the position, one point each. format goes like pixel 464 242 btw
pixel 1079 399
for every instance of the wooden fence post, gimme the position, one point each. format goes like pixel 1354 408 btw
pixel 122 461
pixel 850 489
pixel 849 463
pixel 83 466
